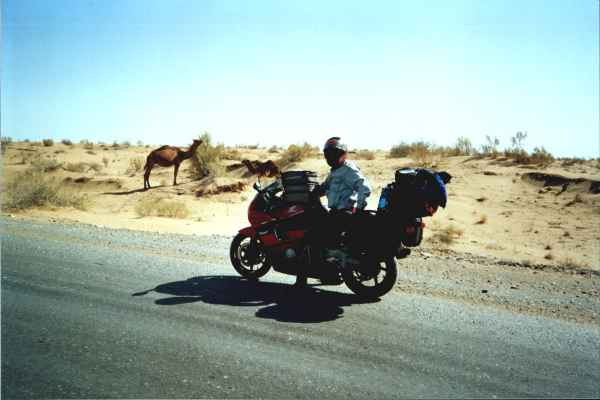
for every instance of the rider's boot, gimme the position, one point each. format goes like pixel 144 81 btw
pixel 301 281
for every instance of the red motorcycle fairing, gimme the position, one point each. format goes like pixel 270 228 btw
pixel 248 231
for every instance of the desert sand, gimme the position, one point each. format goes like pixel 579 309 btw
pixel 495 208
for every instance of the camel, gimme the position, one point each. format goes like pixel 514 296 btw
pixel 267 168
pixel 165 156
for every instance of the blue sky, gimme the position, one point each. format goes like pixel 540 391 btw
pixel 279 72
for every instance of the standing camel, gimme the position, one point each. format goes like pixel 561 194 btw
pixel 166 156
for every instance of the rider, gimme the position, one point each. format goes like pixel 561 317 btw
pixel 347 190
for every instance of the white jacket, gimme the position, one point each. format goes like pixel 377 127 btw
pixel 346 187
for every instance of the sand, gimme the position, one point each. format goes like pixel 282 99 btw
pixel 500 212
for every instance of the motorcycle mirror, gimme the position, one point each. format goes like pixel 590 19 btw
pixel 256 186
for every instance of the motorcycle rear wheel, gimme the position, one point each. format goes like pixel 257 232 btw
pixel 247 257
pixel 372 285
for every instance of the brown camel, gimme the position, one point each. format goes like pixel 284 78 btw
pixel 267 168
pixel 166 156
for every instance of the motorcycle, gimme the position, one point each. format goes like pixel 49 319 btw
pixel 282 230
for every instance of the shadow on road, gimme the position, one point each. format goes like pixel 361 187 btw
pixel 279 301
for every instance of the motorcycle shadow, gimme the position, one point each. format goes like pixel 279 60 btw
pixel 280 302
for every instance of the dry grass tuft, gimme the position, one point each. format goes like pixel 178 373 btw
pixel 231 154
pixel 33 188
pixel 135 165
pixel 42 165
pixel 448 234
pixel 365 155
pixel 161 207
pixel 83 167
pixel 76 167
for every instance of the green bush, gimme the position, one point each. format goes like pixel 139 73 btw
pixel 66 142
pixel 296 153
pixel 48 142
pixel 207 160
pixel 33 188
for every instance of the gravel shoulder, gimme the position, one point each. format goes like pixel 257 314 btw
pixel 566 294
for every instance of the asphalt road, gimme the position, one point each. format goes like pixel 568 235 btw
pixel 89 312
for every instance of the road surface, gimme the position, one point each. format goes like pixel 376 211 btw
pixel 92 312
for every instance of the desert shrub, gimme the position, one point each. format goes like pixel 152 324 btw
pixel 161 208
pixel 231 154
pixel 448 234
pixel 66 142
pixel 94 166
pixel 126 144
pixel 76 167
pixel 87 144
pixel 463 147
pixel 135 164
pixel 32 188
pixel 43 165
pixel 5 141
pixel 400 150
pixel 139 143
pixel 48 142
pixel 105 161
pixel 569 161
pixel 519 156
pixel 296 153
pixel 490 148
pixel 541 156
pixel 421 152
pixel 516 151
pixel 90 152
pixel 115 145
pixel 250 146
pixel 207 160
pixel 273 149
pixel 365 155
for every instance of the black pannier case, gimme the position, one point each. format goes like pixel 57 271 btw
pixel 298 185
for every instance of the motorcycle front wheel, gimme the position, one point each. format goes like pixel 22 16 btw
pixel 379 279
pixel 248 258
